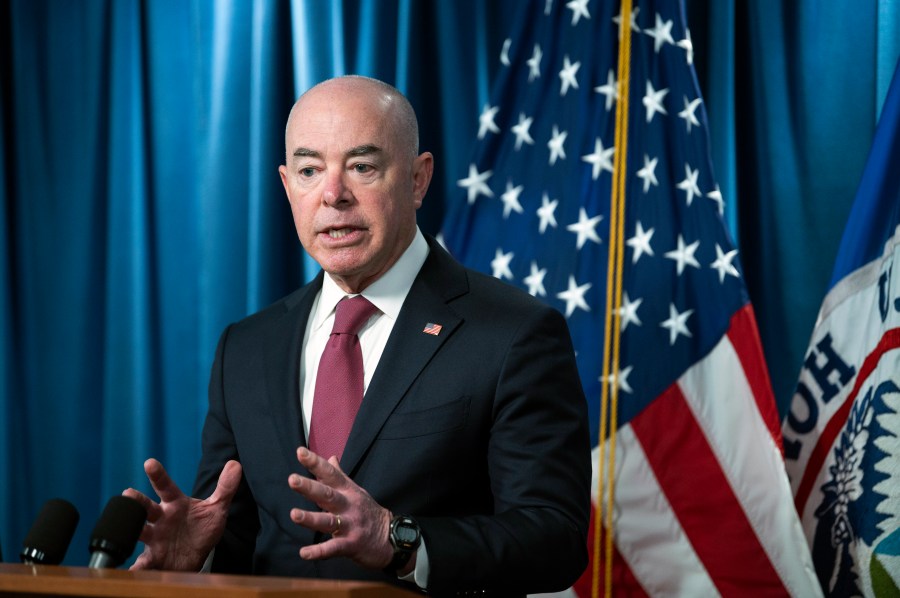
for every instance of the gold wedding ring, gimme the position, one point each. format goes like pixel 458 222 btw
pixel 337 529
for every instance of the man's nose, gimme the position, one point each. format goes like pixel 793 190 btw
pixel 336 191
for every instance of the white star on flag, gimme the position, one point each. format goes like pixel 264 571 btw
pixel 688 46
pixel 546 212
pixel 684 255
pixel 476 184
pixel 567 75
pixel 535 281
pixel 555 145
pixel 653 100
pixel 510 199
pixel 716 196
pixel 633 20
pixel 574 296
pixel 579 9
pixel 723 263
pixel 500 264
pixel 648 172
pixel 689 184
pixel 601 159
pixel 640 242
pixel 486 121
pixel 621 378
pixel 520 130
pixel 504 53
pixel 628 311
pixel 677 323
pixel 534 63
pixel 610 89
pixel 689 113
pixel 585 228
pixel 661 33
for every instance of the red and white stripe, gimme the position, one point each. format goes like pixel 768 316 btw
pixel 703 506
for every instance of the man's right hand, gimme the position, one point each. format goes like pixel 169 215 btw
pixel 181 531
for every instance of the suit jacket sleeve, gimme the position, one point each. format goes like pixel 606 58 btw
pixel 234 553
pixel 539 471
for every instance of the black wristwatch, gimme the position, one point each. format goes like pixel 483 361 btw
pixel 405 537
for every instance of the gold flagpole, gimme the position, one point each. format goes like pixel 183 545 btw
pixel 611 346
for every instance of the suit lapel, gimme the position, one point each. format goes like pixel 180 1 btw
pixel 409 348
pixel 282 350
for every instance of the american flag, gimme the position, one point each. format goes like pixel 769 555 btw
pixel 432 328
pixel 702 503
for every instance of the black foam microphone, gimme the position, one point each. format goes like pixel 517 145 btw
pixel 117 532
pixel 49 537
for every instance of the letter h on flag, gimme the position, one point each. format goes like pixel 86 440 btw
pixel 690 493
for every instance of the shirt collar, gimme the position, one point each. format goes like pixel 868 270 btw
pixel 387 293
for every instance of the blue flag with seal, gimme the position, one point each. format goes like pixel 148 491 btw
pixel 842 433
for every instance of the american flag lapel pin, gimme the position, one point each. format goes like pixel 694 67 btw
pixel 432 328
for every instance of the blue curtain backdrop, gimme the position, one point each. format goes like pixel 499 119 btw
pixel 141 210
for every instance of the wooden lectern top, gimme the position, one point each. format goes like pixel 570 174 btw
pixel 48 580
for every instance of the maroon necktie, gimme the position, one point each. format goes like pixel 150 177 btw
pixel 339 382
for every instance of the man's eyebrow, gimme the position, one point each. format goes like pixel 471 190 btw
pixel 305 152
pixel 363 150
pixel 353 152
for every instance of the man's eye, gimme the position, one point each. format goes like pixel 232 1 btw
pixel 307 172
pixel 362 168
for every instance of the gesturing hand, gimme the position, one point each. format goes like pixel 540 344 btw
pixel 357 524
pixel 181 531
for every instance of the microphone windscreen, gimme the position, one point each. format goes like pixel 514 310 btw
pixel 49 537
pixel 118 529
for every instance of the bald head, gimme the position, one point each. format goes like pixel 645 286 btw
pixel 353 177
pixel 385 99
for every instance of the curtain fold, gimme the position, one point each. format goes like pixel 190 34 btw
pixel 141 210
pixel 55 180
pixel 128 306
pixel 806 116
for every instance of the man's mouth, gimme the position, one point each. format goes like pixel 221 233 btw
pixel 338 233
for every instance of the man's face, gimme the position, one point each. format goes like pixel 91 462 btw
pixel 353 189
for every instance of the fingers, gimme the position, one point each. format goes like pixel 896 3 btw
pixel 357 524
pixel 327 523
pixel 162 484
pixel 315 552
pixel 229 481
pixel 319 493
pixel 142 562
pixel 309 459
pixel 329 472
pixel 154 511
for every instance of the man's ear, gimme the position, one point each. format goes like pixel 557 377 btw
pixel 422 171
pixel 282 171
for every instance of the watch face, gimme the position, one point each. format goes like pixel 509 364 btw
pixel 405 535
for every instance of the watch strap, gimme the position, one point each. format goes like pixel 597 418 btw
pixel 403 548
pixel 400 560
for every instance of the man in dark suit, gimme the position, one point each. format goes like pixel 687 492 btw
pixel 467 467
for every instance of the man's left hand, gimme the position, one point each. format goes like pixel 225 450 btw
pixel 358 525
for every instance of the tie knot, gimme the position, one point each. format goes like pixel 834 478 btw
pixel 351 314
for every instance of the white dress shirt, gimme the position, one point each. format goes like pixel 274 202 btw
pixel 387 294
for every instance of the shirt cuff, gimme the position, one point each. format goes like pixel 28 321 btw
pixel 419 575
pixel 207 566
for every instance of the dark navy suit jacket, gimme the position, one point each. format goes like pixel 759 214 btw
pixel 480 433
